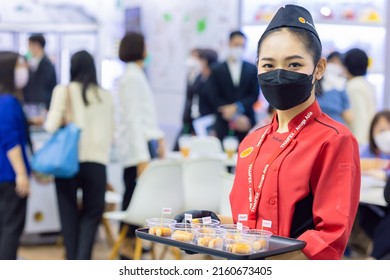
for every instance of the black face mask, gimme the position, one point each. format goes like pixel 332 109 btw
pixel 285 89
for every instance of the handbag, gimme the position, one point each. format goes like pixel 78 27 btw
pixel 59 155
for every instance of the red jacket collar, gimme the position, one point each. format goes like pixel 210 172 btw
pixel 314 108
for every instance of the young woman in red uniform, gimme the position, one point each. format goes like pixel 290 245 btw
pixel 302 171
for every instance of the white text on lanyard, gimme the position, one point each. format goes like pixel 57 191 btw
pixel 253 202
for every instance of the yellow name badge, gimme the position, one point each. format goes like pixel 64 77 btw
pixel 246 152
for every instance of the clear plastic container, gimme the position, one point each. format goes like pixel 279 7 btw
pixel 238 244
pixel 260 239
pixel 230 145
pixel 184 232
pixel 185 145
pixel 231 230
pixel 160 226
pixel 213 223
pixel 210 237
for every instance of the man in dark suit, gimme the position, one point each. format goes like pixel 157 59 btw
pixel 42 76
pixel 234 90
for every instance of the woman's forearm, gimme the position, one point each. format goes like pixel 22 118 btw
pixel 15 157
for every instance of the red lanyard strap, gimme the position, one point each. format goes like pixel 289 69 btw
pixel 254 195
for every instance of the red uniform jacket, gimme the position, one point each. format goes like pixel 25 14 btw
pixel 320 165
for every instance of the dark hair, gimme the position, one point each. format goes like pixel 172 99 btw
pixel 382 114
pixel 132 47
pixel 236 33
pixel 196 51
pixel 334 54
pixel 270 109
pixel 310 41
pixel 38 38
pixel 356 62
pixel 82 70
pixel 209 55
pixel 7 69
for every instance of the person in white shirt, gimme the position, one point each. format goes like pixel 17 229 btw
pixel 140 138
pixel 361 94
pixel 92 111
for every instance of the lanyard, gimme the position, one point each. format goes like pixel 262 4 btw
pixel 254 195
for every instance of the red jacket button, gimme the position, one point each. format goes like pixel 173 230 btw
pixel 272 201
pixel 274 168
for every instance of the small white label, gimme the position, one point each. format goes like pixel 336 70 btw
pixel 243 217
pixel 206 220
pixel 167 211
pixel 188 217
pixel 266 223
pixel 239 226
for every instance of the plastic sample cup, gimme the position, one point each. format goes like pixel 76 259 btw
pixel 260 239
pixel 231 229
pixel 212 222
pixel 184 232
pixel 185 145
pixel 160 226
pixel 230 145
pixel 238 244
pixel 210 237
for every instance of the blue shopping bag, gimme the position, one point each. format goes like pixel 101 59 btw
pixel 59 155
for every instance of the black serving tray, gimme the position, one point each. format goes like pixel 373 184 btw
pixel 277 245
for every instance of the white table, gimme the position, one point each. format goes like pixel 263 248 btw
pixel 230 162
pixel 371 191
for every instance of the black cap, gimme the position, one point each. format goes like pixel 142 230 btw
pixel 293 16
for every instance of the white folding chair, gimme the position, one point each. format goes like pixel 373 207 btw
pixel 227 183
pixel 158 187
pixel 205 145
pixel 202 183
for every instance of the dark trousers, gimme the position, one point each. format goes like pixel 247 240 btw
pixel 12 219
pixel 80 222
pixel 375 221
pixel 369 216
pixel 130 179
pixel 381 239
pixel 222 130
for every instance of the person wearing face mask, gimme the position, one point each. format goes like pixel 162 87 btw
pixel 375 156
pixel 193 66
pixel 333 99
pixel 373 219
pixel 234 90
pixel 301 172
pixel 42 75
pixel 14 166
pixel 191 110
pixel 197 103
pixel 139 136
